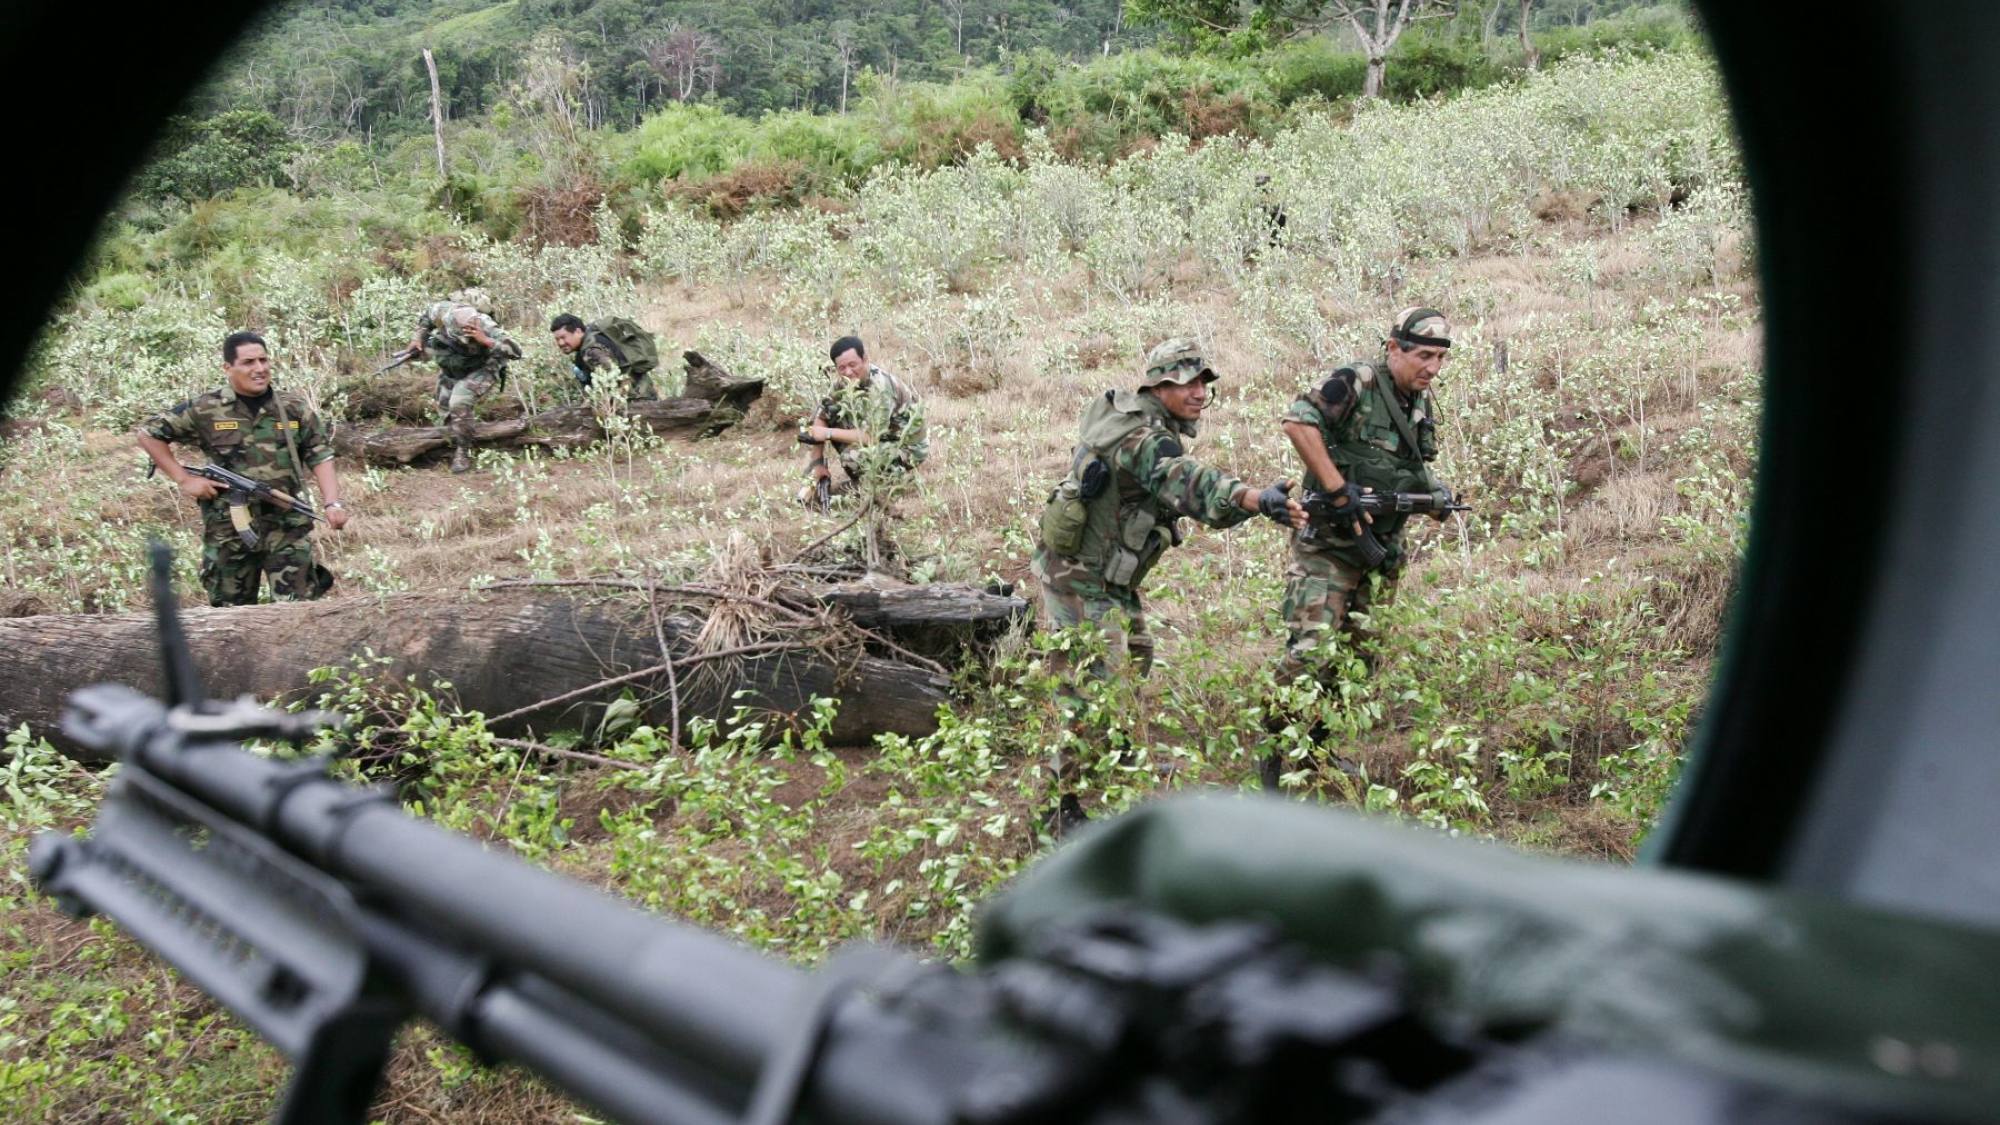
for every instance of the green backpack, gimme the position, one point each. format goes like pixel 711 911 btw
pixel 632 347
pixel 1111 418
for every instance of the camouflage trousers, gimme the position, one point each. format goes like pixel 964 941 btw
pixel 232 572
pixel 459 393
pixel 1321 591
pixel 643 389
pixel 1073 595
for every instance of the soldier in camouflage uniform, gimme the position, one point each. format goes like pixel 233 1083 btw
pixel 267 435
pixel 471 351
pixel 873 420
pixel 591 350
pixel 1368 426
pixel 1131 480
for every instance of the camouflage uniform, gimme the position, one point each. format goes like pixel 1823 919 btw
pixel 467 370
pixel 599 353
pixel 246 436
pixel 1151 484
pixel 886 409
pixel 1355 410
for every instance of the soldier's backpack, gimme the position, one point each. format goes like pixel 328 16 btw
pixel 1110 419
pixel 632 347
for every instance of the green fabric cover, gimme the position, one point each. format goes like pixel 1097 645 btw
pixel 1817 996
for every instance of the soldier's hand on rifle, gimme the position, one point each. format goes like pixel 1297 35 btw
pixel 201 488
pixel 1276 504
pixel 1348 495
pixel 1442 499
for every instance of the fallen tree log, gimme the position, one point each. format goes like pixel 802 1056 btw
pixel 714 401
pixel 565 427
pixel 500 651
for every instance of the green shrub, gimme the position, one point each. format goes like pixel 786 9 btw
pixel 1425 65
pixel 685 141
pixel 1312 68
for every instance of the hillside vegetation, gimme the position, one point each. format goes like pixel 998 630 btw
pixel 1584 227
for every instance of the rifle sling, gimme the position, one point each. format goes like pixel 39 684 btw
pixel 292 446
pixel 1386 387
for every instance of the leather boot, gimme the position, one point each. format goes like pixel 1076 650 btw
pixel 461 461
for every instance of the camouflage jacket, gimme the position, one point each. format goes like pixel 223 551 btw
pixel 886 409
pixel 248 441
pixel 1152 483
pixel 444 327
pixel 1355 410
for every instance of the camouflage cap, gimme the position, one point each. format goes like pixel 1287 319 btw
pixel 1421 327
pixel 1177 361
pixel 474 296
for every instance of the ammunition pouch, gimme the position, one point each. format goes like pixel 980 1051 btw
pixel 1140 544
pixel 1064 517
pixel 1067 513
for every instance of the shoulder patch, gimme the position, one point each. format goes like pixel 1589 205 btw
pixel 1336 389
pixel 227 425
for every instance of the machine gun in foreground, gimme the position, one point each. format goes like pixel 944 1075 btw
pixel 1388 977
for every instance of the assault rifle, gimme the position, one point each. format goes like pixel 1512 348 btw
pixel 1327 516
pixel 823 487
pixel 325 917
pixel 237 490
pixel 399 359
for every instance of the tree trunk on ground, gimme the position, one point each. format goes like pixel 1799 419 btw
pixel 565 427
pixel 500 650
pixel 708 380
pixel 715 401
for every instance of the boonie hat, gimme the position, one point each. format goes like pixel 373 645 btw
pixel 1177 361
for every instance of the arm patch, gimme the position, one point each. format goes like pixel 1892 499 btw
pixel 1336 390
pixel 1167 445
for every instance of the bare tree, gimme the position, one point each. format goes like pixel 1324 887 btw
pixel 437 111
pixel 554 90
pixel 685 60
pixel 843 49
pixel 956 10
pixel 1528 49
pixel 1377 24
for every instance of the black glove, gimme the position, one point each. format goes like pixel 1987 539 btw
pixel 1347 515
pixel 1273 502
pixel 1441 499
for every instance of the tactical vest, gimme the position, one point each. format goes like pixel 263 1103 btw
pixel 1376 454
pixel 1119 530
